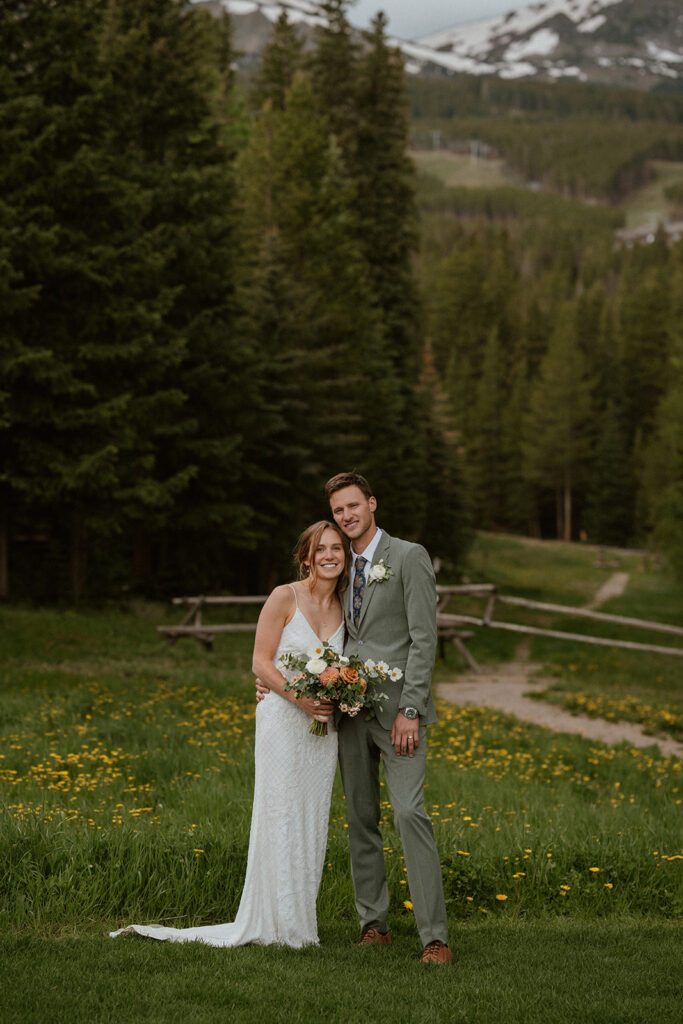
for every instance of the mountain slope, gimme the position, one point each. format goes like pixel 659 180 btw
pixel 624 42
pixel 617 42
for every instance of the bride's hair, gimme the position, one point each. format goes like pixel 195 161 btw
pixel 307 545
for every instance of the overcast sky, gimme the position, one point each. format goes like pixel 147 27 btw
pixel 410 19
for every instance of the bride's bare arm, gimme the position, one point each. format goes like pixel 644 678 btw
pixel 275 614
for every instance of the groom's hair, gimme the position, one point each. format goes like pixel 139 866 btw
pixel 336 483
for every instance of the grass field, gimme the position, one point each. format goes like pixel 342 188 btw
pixel 460 170
pixel 125 788
pixel 649 205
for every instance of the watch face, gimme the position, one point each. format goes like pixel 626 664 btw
pixel 410 712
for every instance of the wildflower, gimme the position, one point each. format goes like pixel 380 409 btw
pixel 608 885
pixel 407 904
pixel 502 897
pixel 594 870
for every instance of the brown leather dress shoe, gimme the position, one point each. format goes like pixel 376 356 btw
pixel 370 935
pixel 436 952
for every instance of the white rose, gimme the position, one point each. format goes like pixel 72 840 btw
pixel 378 571
pixel 315 666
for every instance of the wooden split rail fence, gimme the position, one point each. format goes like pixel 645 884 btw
pixel 493 598
pixel 450 625
pixel 194 627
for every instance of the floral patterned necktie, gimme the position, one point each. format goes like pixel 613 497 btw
pixel 358 587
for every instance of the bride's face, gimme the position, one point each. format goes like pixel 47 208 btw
pixel 328 558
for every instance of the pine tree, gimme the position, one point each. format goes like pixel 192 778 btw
pixel 280 61
pixel 307 309
pixel 181 143
pixel 77 416
pixel 485 449
pixel 120 172
pixel 609 507
pixel 556 440
pixel 662 467
pixel 333 69
pixel 445 531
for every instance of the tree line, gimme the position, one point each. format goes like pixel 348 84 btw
pixel 212 298
pixel 561 356
pixel 447 96
pixel 207 301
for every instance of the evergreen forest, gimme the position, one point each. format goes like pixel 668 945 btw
pixel 216 291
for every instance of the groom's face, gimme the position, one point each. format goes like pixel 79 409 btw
pixel 353 512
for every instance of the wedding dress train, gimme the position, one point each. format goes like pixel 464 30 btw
pixel 294 773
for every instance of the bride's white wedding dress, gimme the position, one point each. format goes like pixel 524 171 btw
pixel 294 772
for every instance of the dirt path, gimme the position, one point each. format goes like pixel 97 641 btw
pixel 613 587
pixel 504 687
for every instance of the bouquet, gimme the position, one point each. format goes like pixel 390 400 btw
pixel 324 674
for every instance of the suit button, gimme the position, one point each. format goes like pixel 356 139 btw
pixel 360 643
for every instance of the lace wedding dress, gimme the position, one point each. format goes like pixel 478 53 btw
pixel 294 772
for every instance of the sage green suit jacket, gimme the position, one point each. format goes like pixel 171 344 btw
pixel 397 624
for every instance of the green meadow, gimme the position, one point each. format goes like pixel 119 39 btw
pixel 125 786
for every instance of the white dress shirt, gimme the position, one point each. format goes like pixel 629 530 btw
pixel 369 553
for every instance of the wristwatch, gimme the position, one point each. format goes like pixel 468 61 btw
pixel 410 712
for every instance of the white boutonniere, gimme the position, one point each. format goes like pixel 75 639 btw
pixel 380 573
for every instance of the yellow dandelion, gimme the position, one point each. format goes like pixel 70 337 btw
pixel 501 896
pixel 594 870
pixel 407 904
pixel 608 885
pixel 198 851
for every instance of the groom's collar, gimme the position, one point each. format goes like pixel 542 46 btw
pixel 369 552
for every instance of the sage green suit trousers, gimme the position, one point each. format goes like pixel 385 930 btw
pixel 398 625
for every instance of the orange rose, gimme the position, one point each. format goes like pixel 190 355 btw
pixel 363 685
pixel 348 674
pixel 329 676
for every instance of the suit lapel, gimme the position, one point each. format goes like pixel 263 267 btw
pixel 381 551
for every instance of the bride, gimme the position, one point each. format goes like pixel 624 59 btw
pixel 294 770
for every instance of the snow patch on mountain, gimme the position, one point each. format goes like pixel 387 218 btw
pixel 540 44
pixel 593 24
pixel 478 36
pixel 297 10
pixel 668 56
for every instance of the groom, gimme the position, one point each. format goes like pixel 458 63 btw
pixel 390 610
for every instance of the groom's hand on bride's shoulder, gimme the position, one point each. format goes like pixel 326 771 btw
pixel 261 689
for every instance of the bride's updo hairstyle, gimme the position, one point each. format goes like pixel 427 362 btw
pixel 307 545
